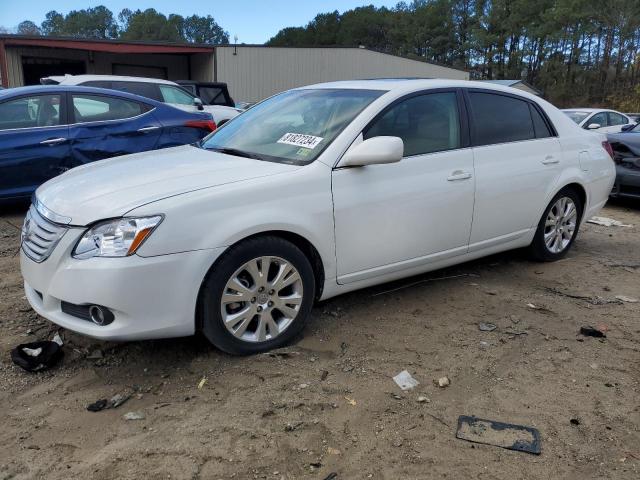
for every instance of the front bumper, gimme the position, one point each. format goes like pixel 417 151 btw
pixel 627 182
pixel 150 297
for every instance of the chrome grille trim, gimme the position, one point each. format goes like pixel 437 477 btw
pixel 39 235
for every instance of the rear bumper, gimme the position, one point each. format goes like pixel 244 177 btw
pixel 627 183
pixel 152 297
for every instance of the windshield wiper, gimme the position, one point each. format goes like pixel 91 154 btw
pixel 236 152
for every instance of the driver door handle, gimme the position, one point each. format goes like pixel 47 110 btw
pixel 147 129
pixel 550 160
pixel 458 175
pixel 53 141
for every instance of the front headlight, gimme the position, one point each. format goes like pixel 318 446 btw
pixel 115 238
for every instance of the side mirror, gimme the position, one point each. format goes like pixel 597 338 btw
pixel 626 128
pixel 593 126
pixel 374 151
pixel 198 103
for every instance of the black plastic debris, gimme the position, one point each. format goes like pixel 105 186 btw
pixel 499 434
pixel 98 405
pixel 592 332
pixel 37 356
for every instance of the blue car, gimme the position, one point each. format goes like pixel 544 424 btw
pixel 46 130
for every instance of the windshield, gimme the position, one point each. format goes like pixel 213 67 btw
pixel 293 127
pixel 575 115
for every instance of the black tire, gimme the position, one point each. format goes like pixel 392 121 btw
pixel 538 249
pixel 210 315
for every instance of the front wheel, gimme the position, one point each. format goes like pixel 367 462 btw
pixel 558 227
pixel 258 296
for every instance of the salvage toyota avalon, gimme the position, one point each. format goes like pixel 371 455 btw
pixel 312 193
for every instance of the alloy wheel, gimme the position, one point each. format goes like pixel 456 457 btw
pixel 560 225
pixel 261 299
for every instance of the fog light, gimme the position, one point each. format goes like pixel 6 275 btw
pixel 100 315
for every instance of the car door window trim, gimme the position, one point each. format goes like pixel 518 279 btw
pixel 145 107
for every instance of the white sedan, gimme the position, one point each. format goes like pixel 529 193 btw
pixel 602 121
pixel 312 193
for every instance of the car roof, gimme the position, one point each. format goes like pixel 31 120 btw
pixel 40 89
pixel 413 84
pixel 77 79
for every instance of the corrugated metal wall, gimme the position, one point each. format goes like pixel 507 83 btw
pixel 258 72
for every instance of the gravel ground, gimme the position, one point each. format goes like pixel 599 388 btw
pixel 328 403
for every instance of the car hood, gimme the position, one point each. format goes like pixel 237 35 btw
pixel 111 188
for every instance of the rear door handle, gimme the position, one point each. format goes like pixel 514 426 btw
pixel 458 175
pixel 550 160
pixel 53 141
pixel 147 129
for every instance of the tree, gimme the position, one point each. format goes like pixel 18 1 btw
pixel 28 28
pixel 204 30
pixel 53 24
pixel 152 25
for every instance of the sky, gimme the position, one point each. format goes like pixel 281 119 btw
pixel 253 21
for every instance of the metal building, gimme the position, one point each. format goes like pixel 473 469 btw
pixel 252 72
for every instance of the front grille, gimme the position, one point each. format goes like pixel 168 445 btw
pixel 78 311
pixel 40 236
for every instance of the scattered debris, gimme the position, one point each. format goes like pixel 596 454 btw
pixel 607 222
pixel 284 352
pixel 58 339
pixel 443 382
pixel 539 308
pixel 333 451
pixel 98 405
pixel 486 327
pixel 499 434
pixel 331 476
pixel 626 299
pixel 426 280
pixel 324 375
pixel 423 399
pixel 351 401
pixel 405 381
pixel 37 356
pixel 574 421
pixel 202 382
pixel 290 427
pixel 134 416
pixel 593 300
pixel 515 332
pixel 592 332
pixel 95 354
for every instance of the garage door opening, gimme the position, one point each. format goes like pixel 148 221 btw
pixel 34 68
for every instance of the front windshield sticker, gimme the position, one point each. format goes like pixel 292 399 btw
pixel 300 140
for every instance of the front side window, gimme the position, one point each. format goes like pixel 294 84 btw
pixel 98 108
pixel 500 119
pixel 171 94
pixel 29 112
pixel 292 127
pixel 425 123
pixel 599 118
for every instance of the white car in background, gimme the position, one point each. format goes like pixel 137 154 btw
pixel 164 91
pixel 600 120
pixel 309 194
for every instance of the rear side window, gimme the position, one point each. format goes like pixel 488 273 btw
pixel 29 112
pixel 500 119
pixel 541 128
pixel 616 119
pixel 171 94
pixel 98 108
pixel 425 123
pixel 148 90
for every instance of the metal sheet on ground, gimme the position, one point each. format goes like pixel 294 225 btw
pixel 505 435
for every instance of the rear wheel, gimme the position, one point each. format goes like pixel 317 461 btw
pixel 558 227
pixel 258 296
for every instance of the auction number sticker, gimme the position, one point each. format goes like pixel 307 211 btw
pixel 300 140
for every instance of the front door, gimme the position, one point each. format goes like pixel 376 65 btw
pixel 34 144
pixel 393 217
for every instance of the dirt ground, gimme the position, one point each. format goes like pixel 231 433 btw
pixel 330 404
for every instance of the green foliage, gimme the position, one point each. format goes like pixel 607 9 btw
pixel 148 25
pixel 578 52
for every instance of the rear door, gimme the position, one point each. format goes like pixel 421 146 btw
pixel 517 159
pixel 105 126
pixel 34 144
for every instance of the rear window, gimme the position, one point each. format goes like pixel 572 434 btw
pixel 500 119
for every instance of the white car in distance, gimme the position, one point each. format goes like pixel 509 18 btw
pixel 164 91
pixel 599 120
pixel 312 193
